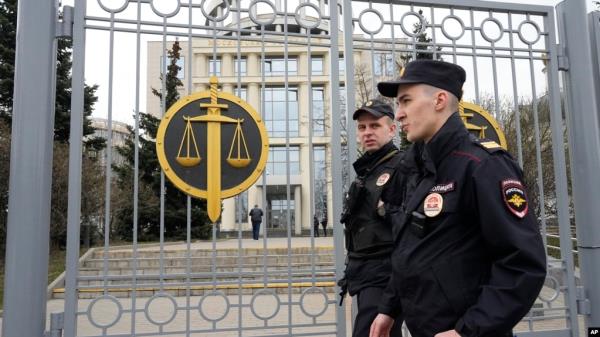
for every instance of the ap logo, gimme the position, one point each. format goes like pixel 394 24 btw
pixel 594 332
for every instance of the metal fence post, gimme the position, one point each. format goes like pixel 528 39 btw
pixel 584 140
pixel 27 240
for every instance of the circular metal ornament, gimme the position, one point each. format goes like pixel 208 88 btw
pixel 155 297
pixel 214 294
pixel 421 20
pixel 165 15
pixel 116 9
pixel 265 292
pixel 313 290
pixel 522 36
pixel 555 287
pixel 460 22
pixel 299 19
pixel 369 31
pixel 484 34
pixel 215 18
pixel 119 311
pixel 253 15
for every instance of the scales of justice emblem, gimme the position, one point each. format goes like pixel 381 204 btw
pixel 212 145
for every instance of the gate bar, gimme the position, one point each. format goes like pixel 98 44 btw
pixel 584 139
pixel 28 229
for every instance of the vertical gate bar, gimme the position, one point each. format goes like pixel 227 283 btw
pixel 538 151
pixel 474 49
pixel 350 89
pixel 136 172
pixel 338 237
pixel 188 256
pixel 75 152
pixel 515 92
pixel 287 158
pixel 495 79
pixel 240 199
pixel 163 109
pixel 311 163
pixel 560 172
pixel 267 209
pixel 108 169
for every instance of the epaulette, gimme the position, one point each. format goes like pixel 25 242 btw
pixel 488 145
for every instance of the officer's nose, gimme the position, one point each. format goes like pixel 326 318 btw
pixel 400 113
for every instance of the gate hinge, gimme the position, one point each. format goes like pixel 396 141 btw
pixel 563 59
pixel 64 27
pixel 583 304
pixel 57 324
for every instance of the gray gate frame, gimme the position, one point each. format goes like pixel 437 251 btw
pixel 31 157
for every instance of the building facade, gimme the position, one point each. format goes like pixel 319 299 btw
pixel 298 174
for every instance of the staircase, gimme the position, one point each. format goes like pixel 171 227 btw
pixel 226 270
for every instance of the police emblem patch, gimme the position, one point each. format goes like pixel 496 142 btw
pixel 513 194
pixel 383 179
pixel 432 206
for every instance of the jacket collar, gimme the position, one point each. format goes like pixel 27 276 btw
pixel 444 142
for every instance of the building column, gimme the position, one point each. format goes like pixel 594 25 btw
pixel 200 62
pixel 252 65
pixel 228 215
pixel 300 223
pixel 227 65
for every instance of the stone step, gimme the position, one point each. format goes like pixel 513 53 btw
pixel 199 290
pixel 269 260
pixel 155 252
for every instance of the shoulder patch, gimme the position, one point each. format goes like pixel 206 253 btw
pixel 513 194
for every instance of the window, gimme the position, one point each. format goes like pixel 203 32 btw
pixel 320 179
pixel 214 67
pixel 317 65
pixel 241 93
pixel 275 111
pixel 241 207
pixel 341 64
pixel 384 64
pixel 277 163
pixel 276 66
pixel 318 111
pixel 180 63
pixel 240 66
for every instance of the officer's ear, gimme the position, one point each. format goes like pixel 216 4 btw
pixel 441 100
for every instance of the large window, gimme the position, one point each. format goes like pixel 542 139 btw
pixel 276 66
pixel 316 63
pixel 277 163
pixel 180 62
pixel 384 64
pixel 240 66
pixel 275 111
pixel 318 111
pixel 214 67
pixel 320 179
pixel 241 93
pixel 241 207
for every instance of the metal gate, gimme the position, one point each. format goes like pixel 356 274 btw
pixel 302 65
pixel 284 58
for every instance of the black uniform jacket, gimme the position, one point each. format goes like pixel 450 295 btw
pixel 370 240
pixel 479 264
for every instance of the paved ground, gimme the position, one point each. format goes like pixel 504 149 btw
pixel 313 313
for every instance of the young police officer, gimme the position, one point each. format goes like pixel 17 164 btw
pixel 368 237
pixel 468 259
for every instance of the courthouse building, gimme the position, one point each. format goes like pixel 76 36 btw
pixel 308 91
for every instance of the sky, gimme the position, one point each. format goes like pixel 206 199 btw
pixel 124 65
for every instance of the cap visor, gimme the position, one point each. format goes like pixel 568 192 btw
pixel 390 89
pixel 367 110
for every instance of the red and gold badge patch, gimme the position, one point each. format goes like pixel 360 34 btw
pixel 513 194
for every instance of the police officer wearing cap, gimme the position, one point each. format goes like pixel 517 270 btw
pixel 468 259
pixel 368 236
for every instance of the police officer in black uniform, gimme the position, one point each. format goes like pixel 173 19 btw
pixel 468 259
pixel 368 237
